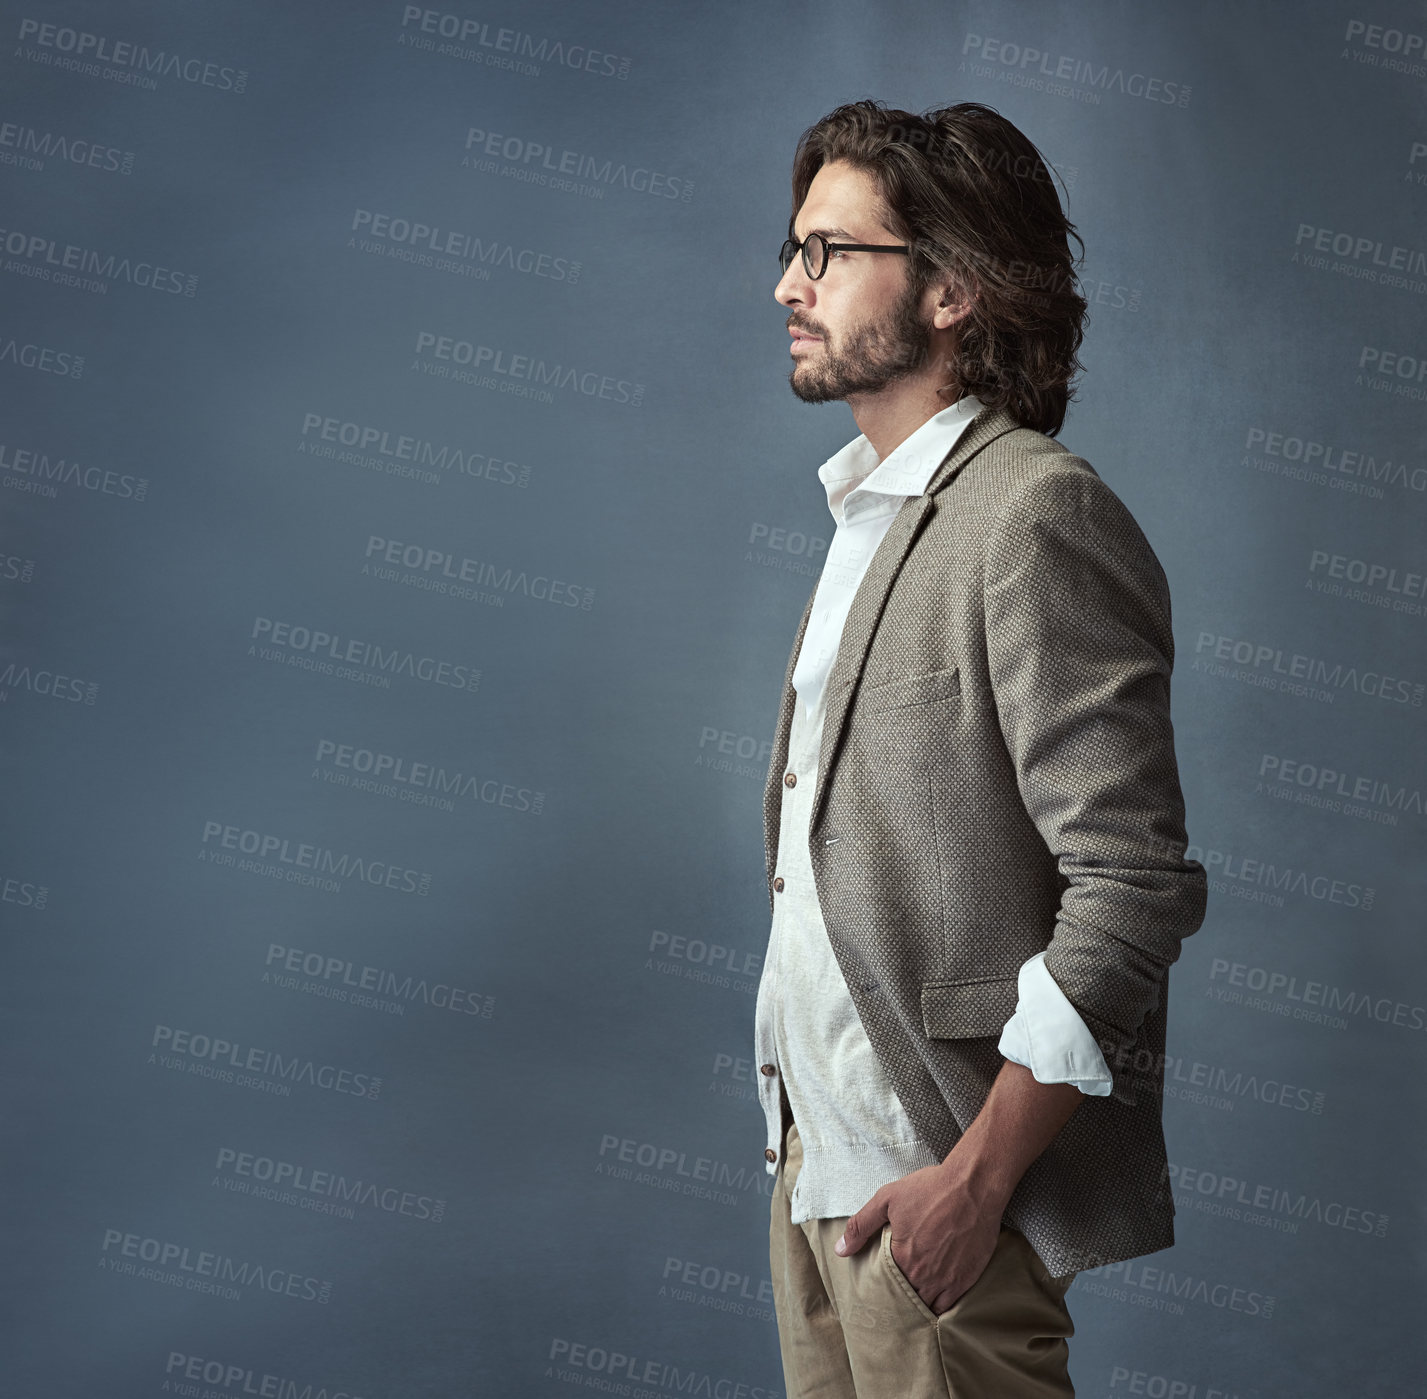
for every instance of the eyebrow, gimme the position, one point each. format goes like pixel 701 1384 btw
pixel 828 233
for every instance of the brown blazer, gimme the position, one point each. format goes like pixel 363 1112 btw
pixel 997 777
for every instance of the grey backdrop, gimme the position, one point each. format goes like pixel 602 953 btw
pixel 405 522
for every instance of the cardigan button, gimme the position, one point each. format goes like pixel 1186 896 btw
pixel 790 779
pixel 769 1070
pixel 778 884
pixel 771 1154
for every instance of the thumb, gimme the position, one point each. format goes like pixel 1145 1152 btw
pixel 862 1226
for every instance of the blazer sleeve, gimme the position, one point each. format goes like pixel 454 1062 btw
pixel 1080 651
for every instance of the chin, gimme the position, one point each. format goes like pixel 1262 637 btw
pixel 811 393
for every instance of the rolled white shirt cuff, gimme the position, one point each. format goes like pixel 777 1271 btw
pixel 1047 1035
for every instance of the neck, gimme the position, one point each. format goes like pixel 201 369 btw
pixel 888 418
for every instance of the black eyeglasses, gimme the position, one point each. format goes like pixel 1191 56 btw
pixel 816 248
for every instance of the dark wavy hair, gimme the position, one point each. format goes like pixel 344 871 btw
pixel 975 201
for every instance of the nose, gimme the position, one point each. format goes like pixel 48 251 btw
pixel 793 285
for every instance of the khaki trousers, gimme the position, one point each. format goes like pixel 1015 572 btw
pixel 855 1328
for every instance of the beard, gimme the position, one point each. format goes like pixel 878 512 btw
pixel 872 356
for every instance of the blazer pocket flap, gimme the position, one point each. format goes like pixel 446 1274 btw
pixel 912 689
pixel 953 1010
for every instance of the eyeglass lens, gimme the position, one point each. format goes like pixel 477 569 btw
pixel 814 254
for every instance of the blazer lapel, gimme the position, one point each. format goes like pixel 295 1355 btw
pixel 861 626
pixel 857 633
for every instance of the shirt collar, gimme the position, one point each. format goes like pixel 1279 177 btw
pixel 855 472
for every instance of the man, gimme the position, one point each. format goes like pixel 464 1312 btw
pixel 974 824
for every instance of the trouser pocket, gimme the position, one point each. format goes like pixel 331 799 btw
pixel 899 1278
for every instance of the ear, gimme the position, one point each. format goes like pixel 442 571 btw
pixel 953 304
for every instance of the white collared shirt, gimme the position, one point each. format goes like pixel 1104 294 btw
pixel 855 1133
